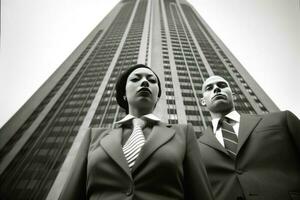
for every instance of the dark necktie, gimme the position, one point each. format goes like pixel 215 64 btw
pixel 135 142
pixel 229 137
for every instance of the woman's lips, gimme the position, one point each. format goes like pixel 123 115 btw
pixel 144 91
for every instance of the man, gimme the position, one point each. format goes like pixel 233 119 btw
pixel 249 157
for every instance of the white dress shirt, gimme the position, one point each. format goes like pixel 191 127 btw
pixel 234 116
pixel 129 117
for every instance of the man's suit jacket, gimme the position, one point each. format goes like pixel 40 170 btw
pixel 167 168
pixel 267 165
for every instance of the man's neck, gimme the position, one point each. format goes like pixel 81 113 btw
pixel 219 115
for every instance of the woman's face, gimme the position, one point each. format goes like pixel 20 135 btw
pixel 142 89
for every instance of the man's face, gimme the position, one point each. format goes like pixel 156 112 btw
pixel 217 95
pixel 142 89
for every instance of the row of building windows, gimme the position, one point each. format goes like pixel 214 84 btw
pixel 56 124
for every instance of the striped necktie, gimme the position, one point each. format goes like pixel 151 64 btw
pixel 229 137
pixel 133 145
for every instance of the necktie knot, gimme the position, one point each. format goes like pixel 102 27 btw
pixel 138 123
pixel 225 120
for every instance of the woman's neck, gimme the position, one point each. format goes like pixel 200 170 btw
pixel 139 113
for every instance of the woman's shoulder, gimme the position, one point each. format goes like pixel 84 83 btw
pixel 99 132
pixel 96 134
pixel 181 127
pixel 185 130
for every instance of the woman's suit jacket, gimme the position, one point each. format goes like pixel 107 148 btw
pixel 267 165
pixel 168 167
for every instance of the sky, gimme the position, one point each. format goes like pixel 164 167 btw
pixel 37 36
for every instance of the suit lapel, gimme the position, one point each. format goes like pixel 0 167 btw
pixel 112 146
pixel 247 125
pixel 209 139
pixel 160 135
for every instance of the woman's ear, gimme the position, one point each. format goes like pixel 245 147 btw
pixel 156 103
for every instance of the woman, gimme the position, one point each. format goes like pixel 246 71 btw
pixel 154 161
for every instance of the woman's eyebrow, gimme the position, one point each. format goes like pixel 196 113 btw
pixel 141 74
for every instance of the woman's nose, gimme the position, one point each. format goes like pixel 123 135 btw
pixel 145 83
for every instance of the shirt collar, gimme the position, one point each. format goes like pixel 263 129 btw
pixel 129 117
pixel 233 115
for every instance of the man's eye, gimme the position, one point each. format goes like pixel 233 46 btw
pixel 222 85
pixel 208 88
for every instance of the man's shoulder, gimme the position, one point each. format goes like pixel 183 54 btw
pixel 267 115
pixel 207 130
pixel 278 114
pixel 280 118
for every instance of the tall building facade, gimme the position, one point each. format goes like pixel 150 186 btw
pixel 39 143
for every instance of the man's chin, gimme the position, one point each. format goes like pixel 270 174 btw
pixel 220 107
pixel 220 100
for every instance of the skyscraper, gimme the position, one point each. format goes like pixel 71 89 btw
pixel 38 144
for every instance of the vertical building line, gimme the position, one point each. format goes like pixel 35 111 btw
pixel 203 58
pixel 145 36
pixel 177 92
pixel 186 64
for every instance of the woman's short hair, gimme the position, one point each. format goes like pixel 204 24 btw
pixel 121 85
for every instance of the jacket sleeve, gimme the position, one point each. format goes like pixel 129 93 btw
pixel 196 183
pixel 75 187
pixel 293 125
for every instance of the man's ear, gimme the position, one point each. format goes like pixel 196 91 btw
pixel 202 101
pixel 234 97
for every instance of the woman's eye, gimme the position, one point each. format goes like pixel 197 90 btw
pixel 152 80
pixel 134 79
